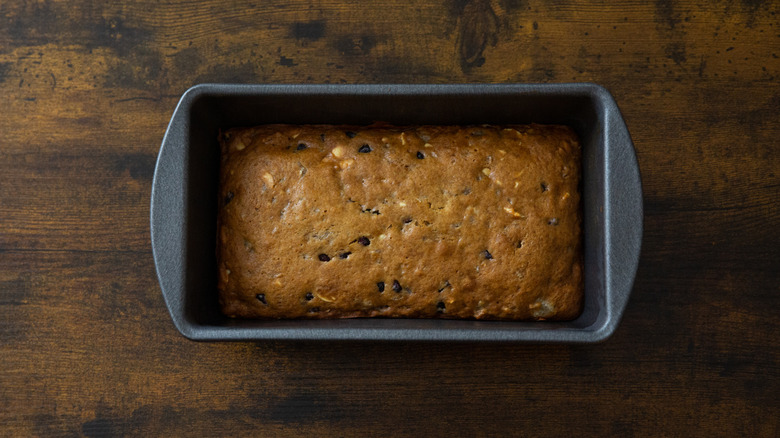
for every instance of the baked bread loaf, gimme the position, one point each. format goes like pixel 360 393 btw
pixel 477 222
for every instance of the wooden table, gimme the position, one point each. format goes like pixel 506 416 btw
pixel 87 345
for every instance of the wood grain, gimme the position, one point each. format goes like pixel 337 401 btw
pixel 87 346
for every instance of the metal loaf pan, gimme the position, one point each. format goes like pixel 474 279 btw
pixel 184 199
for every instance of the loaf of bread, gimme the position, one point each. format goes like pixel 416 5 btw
pixel 471 222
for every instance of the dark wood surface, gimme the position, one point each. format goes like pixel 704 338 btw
pixel 87 346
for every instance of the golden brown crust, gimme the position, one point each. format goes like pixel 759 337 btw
pixel 430 221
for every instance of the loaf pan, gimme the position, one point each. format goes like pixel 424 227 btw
pixel 184 199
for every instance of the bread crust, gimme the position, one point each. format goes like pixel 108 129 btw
pixel 470 222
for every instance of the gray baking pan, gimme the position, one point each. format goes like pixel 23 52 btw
pixel 184 199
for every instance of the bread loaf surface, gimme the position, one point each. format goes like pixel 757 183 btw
pixel 474 222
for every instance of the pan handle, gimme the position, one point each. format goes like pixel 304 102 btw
pixel 168 220
pixel 624 213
